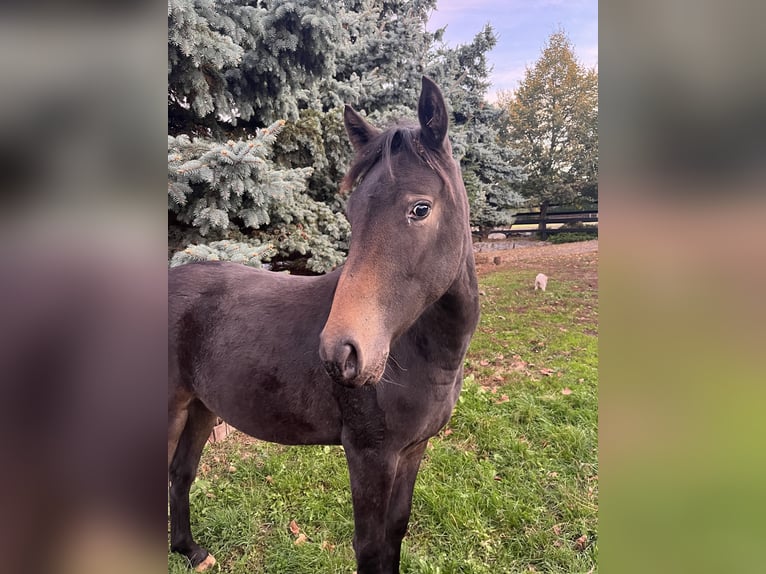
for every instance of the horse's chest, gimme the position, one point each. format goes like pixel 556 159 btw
pixel 423 410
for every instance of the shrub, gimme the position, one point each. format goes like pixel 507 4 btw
pixel 571 237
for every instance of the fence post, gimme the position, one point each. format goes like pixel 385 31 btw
pixel 543 215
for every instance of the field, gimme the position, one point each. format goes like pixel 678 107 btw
pixel 510 485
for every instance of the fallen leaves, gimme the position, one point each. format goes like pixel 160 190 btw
pixel 581 543
pixel 301 538
pixel 566 391
pixel 518 364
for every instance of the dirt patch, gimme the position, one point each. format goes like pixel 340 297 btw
pixel 570 261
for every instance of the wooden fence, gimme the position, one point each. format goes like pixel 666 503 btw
pixel 220 431
pixel 552 217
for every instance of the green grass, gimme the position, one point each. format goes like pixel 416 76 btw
pixel 511 484
pixel 572 236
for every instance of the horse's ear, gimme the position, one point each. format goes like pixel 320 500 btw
pixel 432 113
pixel 359 131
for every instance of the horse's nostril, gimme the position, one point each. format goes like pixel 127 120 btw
pixel 349 362
pixel 342 362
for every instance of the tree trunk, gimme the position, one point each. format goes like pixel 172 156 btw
pixel 541 229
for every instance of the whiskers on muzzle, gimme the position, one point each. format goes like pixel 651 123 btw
pixel 386 378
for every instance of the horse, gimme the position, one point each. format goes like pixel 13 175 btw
pixel 369 356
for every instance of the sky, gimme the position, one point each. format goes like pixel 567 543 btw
pixel 522 28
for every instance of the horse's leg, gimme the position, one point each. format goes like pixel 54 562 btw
pixel 178 414
pixel 183 469
pixel 400 504
pixel 372 474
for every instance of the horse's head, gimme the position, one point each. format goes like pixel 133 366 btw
pixel 409 221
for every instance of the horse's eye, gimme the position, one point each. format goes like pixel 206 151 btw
pixel 421 210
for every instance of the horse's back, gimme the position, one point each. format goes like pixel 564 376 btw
pixel 219 283
pixel 188 284
pixel 244 341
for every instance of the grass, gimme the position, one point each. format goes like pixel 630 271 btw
pixel 572 236
pixel 510 485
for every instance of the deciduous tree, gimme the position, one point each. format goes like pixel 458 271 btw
pixel 553 124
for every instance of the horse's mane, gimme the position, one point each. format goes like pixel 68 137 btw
pixel 401 138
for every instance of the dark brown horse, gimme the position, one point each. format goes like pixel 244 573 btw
pixel 369 356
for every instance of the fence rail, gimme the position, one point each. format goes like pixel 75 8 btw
pixel 552 217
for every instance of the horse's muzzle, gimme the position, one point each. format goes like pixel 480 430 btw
pixel 343 367
pixel 343 361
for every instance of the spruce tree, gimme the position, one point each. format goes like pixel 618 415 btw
pixel 233 191
pixel 236 70
pixel 491 169
pixel 200 49
pixel 257 148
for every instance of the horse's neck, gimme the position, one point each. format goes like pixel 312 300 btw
pixel 452 319
pixel 461 300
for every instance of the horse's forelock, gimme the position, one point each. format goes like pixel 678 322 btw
pixel 400 138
